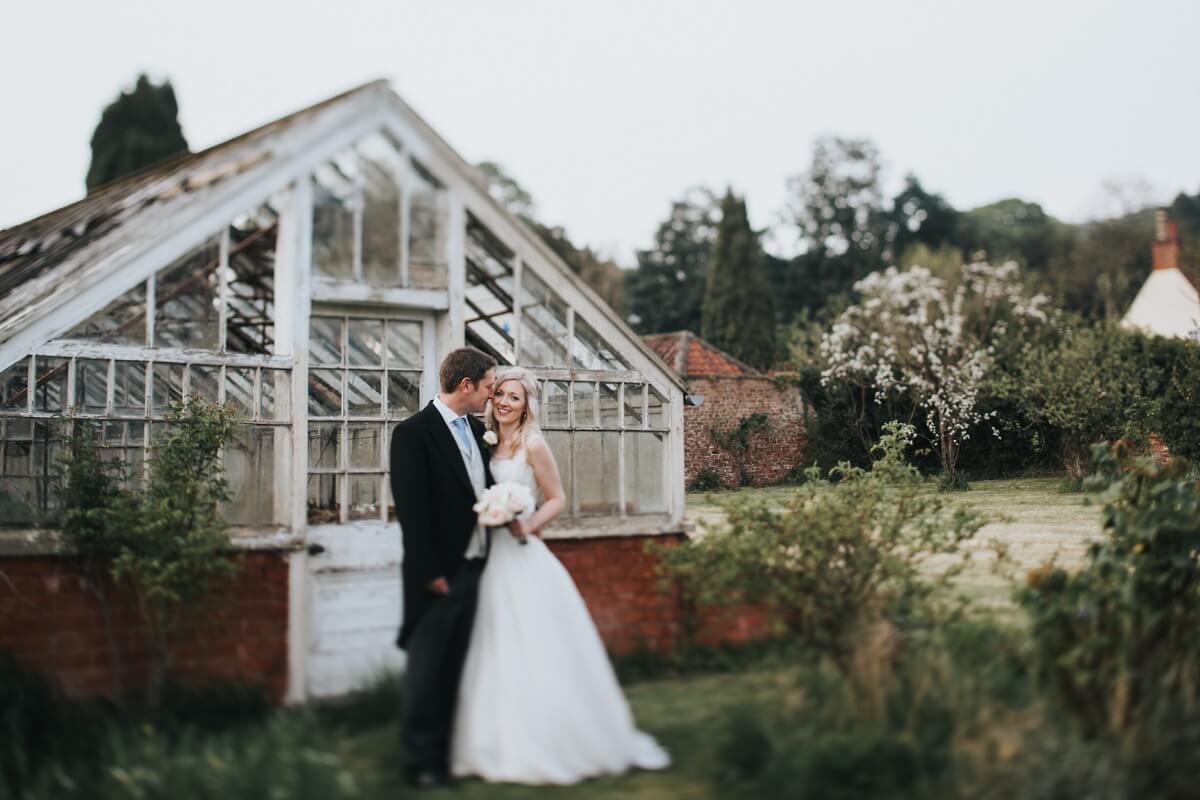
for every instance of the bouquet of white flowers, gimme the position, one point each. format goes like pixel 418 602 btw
pixel 503 502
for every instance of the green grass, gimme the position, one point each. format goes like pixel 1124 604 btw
pixel 682 713
pixel 1035 520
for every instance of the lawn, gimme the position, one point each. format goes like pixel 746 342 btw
pixel 682 713
pixel 1033 519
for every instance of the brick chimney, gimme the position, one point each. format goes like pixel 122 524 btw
pixel 1166 242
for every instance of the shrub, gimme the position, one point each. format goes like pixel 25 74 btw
pixel 286 757
pixel 39 726
pixel 706 480
pixel 178 546
pixel 837 556
pixel 1116 639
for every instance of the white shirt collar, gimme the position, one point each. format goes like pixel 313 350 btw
pixel 446 411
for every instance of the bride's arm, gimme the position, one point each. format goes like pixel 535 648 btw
pixel 545 471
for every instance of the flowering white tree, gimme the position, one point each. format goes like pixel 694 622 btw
pixel 913 334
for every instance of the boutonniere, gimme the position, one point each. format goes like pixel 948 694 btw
pixel 490 439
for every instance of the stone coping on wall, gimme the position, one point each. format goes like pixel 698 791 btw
pixel 28 543
pixel 609 527
pixel 25 543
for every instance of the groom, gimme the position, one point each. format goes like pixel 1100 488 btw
pixel 438 468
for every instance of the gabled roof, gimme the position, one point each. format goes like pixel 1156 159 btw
pixel 693 357
pixel 48 259
pixel 1167 305
pixel 29 249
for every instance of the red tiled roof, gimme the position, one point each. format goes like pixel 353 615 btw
pixel 691 356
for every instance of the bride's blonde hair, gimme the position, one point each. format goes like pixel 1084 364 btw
pixel 528 426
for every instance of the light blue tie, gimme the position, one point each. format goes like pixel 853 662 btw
pixel 460 426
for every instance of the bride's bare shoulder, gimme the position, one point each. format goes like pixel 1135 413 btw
pixel 537 444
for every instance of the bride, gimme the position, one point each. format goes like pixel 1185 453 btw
pixel 538 702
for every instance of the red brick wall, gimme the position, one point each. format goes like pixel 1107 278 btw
pixel 51 622
pixel 632 607
pixel 774 453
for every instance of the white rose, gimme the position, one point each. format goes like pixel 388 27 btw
pixel 489 438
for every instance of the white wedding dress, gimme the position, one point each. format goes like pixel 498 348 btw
pixel 538 702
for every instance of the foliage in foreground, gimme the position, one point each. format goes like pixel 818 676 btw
pixel 1116 639
pixel 165 541
pixel 837 557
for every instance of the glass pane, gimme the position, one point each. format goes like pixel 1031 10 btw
pixel 645 490
pixel 250 471
pixel 634 413
pixel 610 411
pixel 187 300
pixel 657 409
pixel 239 390
pixel 204 382
pixel 404 344
pixel 364 394
pixel 366 446
pixel 249 320
pixel 381 164
pixel 16 447
pixel 489 293
pixel 91 385
pixel 592 352
pixel 364 497
pixel 123 321
pixel 325 340
pixel 543 324
pixel 334 199
pixel 14 387
pixel 275 391
pixel 324 445
pixel 19 503
pixel 364 342
pixel 596 472
pixel 167 388
pixel 404 394
pixel 560 446
pixel 323 505
pixel 50 392
pixel 47 447
pixel 585 410
pixel 554 405
pixel 325 392
pixel 129 389
pixel 426 231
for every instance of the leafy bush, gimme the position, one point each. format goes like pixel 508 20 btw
pixel 39 726
pixel 288 757
pixel 165 541
pixel 837 556
pixel 706 480
pixel 1116 639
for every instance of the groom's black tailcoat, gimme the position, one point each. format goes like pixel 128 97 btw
pixel 434 500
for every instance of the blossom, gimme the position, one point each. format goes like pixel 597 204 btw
pixel 490 438
pixel 912 334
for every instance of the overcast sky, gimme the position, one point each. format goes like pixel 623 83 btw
pixel 607 109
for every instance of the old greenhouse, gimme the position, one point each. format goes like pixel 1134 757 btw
pixel 310 274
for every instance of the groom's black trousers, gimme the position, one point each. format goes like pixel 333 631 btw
pixel 437 651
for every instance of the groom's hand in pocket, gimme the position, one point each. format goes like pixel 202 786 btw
pixel 439 586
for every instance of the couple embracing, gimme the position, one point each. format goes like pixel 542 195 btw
pixel 507 678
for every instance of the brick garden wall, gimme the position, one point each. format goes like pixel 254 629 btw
pixel 774 453
pixel 631 607
pixel 51 622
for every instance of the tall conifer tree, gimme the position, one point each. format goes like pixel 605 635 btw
pixel 739 312
pixel 139 128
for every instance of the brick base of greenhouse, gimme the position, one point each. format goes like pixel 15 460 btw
pixel 51 622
